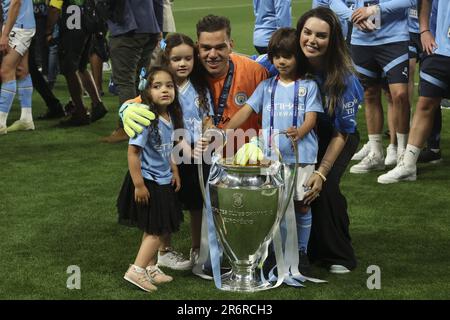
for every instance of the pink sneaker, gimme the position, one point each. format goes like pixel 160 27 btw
pixel 156 275
pixel 140 279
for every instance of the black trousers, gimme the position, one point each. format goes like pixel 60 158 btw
pixel 40 84
pixel 330 241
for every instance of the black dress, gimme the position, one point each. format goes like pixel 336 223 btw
pixel 330 241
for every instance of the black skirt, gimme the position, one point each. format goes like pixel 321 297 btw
pixel 162 215
pixel 190 194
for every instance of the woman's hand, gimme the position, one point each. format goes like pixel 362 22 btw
pixel 176 182
pixel 315 184
pixel 141 195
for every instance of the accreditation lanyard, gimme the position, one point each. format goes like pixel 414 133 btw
pixel 272 108
pixel 224 94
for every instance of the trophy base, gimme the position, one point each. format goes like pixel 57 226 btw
pixel 243 283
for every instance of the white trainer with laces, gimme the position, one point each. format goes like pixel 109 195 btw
pixel 391 155
pixel 173 260
pixel 400 173
pixel 362 153
pixel 371 162
pixel 193 255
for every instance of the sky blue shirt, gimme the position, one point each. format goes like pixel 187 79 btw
pixel 155 158
pixel 344 116
pixel 25 18
pixel 413 19
pixel 309 101
pixel 193 115
pixel 394 23
pixel 269 16
pixel 341 8
pixel 433 17
pixel 443 28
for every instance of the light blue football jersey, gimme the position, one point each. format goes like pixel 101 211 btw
pixel 193 115
pixel 270 16
pixel 443 28
pixel 309 101
pixel 155 157
pixel 25 18
pixel 393 25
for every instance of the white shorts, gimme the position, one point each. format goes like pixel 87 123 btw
pixel 20 39
pixel 304 171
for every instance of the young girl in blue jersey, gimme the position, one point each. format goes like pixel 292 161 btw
pixel 291 102
pixel 322 44
pixel 181 58
pixel 147 198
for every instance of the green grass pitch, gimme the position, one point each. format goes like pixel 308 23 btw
pixel 58 189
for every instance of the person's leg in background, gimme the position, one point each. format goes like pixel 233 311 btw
pixel 128 54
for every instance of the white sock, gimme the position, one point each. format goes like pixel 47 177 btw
pixel 3 117
pixel 376 144
pixel 26 115
pixel 411 155
pixel 402 140
pixel 138 269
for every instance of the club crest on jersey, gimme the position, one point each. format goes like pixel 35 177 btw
pixel 240 98
pixel 301 91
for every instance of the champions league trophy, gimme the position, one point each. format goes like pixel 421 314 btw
pixel 247 204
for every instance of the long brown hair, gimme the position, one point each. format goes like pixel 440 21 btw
pixel 196 77
pixel 174 109
pixel 337 62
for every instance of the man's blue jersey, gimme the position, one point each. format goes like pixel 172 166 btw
pixel 340 7
pixel 25 18
pixel 413 19
pixel 393 26
pixel 270 16
pixel 443 28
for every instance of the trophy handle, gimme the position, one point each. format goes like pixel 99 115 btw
pixel 294 175
pixel 214 158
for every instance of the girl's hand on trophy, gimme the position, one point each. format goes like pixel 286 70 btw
pixel 314 184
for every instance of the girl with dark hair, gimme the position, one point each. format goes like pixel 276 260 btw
pixel 322 43
pixel 147 198
pixel 181 57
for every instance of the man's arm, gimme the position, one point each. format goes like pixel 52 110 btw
pixel 426 37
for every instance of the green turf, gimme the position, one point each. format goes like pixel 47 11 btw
pixel 58 189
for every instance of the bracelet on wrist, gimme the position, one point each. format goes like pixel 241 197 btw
pixel 320 174
pixel 424 31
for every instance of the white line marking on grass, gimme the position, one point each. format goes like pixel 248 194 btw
pixel 227 7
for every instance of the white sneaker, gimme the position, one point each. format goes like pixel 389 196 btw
pixel 391 155
pixel 338 269
pixel 399 173
pixel 371 162
pixel 21 125
pixel 3 130
pixel 362 153
pixel 173 260
pixel 193 255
